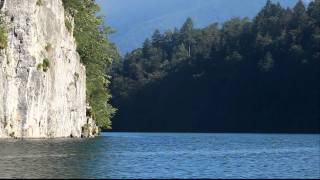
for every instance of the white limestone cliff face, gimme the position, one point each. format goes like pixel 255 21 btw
pixel 35 103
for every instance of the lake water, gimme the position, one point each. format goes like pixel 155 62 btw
pixel 164 155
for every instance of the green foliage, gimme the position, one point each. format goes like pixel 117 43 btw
pixel 39 2
pixel 3 33
pixel 186 34
pixel 234 56
pixel 157 38
pixel 187 27
pixel 3 38
pixel 180 54
pixel 39 67
pixel 45 65
pixel 96 54
pixel 243 73
pixel 48 47
pixel 267 63
pixel 68 25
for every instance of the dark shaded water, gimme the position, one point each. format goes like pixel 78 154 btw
pixel 156 155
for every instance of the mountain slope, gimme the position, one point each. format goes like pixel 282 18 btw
pixel 257 75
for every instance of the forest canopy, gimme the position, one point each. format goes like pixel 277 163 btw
pixel 259 74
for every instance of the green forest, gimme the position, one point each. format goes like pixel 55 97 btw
pixel 245 75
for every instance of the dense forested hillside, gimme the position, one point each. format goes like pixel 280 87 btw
pixel 259 75
pixel 135 20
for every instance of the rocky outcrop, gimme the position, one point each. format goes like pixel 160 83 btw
pixel 90 129
pixel 42 82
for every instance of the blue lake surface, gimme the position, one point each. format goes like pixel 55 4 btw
pixel 164 155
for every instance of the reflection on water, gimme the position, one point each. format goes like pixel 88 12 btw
pixel 49 158
pixel 156 155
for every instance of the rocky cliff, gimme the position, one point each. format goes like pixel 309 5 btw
pixel 42 82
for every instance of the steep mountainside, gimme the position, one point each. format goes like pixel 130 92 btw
pixel 42 82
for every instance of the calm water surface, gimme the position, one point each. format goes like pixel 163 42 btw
pixel 156 155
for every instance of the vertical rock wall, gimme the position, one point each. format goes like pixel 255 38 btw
pixel 42 82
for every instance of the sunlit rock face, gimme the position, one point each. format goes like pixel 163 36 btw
pixel 42 82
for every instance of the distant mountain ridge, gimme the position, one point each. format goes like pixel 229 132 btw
pixel 135 20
